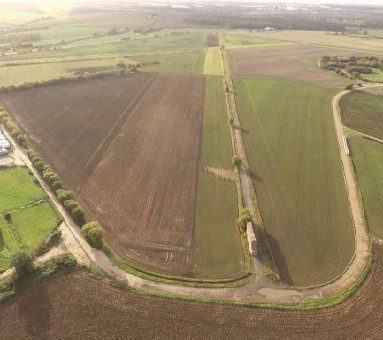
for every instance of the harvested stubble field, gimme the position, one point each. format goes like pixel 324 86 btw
pixel 294 159
pixel 93 310
pixel 289 62
pixel 368 161
pixel 363 112
pixel 129 149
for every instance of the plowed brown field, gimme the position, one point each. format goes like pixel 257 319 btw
pixel 78 306
pixel 290 62
pixel 129 148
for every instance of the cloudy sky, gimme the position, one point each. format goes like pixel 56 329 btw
pixel 354 2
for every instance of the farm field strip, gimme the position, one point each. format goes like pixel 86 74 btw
pixel 153 44
pixel 293 154
pixel 367 157
pixel 363 112
pixel 218 249
pixel 293 62
pixel 241 41
pixel 213 62
pixel 320 38
pixel 19 74
pixel 190 62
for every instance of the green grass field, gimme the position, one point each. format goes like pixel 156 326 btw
pixel 15 75
pixel 363 112
pixel 294 160
pixel 213 62
pixel 30 223
pixel 368 161
pixel 191 62
pixel 150 44
pixel 218 248
pixel 17 188
pixel 232 40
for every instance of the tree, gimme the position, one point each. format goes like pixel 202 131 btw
pixel 23 264
pixel 7 216
pixel 94 234
pixel 237 161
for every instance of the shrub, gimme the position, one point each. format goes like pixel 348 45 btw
pixel 70 205
pixel 7 216
pixel 39 165
pixel 231 120
pixel 22 140
pixel 78 215
pixel 243 218
pixel 64 195
pixel 94 234
pixel 237 161
pixel 349 87
pixel 23 264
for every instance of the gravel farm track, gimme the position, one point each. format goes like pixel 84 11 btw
pixel 77 306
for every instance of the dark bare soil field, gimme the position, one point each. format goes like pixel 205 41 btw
pixel 129 148
pixel 288 61
pixel 69 122
pixel 74 305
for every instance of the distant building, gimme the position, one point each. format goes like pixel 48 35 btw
pixel 268 29
pixel 5 146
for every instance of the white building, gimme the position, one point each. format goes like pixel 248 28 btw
pixel 5 146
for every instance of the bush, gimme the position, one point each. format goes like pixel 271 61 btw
pixel 23 264
pixel 349 87
pixel 78 215
pixel 64 195
pixel 7 216
pixel 236 161
pixel 243 218
pixel 94 234
pixel 70 205
pixel 231 120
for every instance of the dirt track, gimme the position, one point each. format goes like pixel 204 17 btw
pixel 75 305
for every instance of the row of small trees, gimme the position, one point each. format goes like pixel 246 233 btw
pixel 92 230
pixel 32 85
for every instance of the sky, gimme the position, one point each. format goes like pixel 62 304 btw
pixel 352 2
